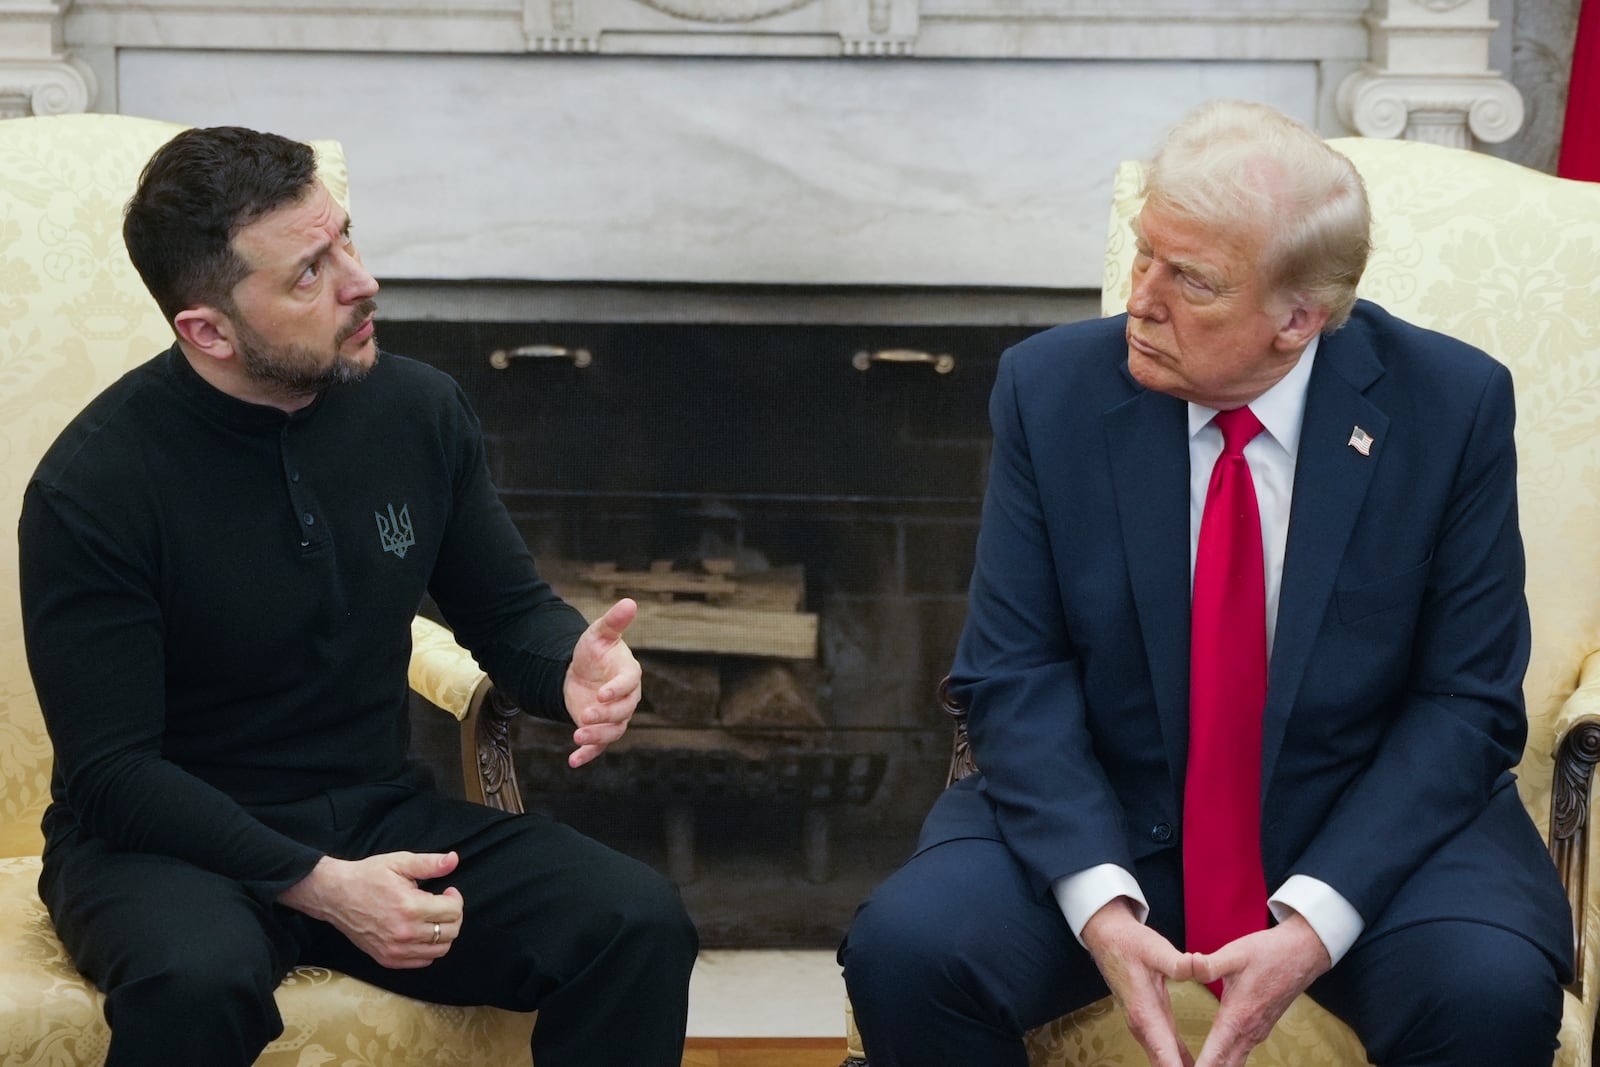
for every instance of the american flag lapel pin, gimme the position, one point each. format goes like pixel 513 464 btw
pixel 1360 440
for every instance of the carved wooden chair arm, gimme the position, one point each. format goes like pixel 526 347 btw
pixel 1577 730
pixel 961 761
pixel 449 678
pixel 488 772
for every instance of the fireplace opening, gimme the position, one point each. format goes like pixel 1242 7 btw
pixel 795 508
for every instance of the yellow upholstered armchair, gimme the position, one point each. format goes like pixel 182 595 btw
pixel 1507 259
pixel 73 317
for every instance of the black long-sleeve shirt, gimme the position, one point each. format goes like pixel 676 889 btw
pixel 217 600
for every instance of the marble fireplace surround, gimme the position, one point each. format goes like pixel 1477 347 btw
pixel 864 145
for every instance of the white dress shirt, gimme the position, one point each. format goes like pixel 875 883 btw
pixel 1271 456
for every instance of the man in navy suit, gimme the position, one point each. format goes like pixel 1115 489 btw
pixel 1402 884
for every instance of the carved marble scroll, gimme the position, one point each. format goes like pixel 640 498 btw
pixel 1428 78
pixel 37 77
pixel 49 88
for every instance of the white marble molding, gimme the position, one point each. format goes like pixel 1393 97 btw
pixel 38 76
pixel 812 142
pixel 776 171
pixel 1428 78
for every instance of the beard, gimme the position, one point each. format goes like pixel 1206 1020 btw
pixel 299 370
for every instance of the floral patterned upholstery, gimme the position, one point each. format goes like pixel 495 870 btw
pixel 75 316
pixel 441 670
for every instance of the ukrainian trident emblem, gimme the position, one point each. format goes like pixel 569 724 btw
pixel 395 531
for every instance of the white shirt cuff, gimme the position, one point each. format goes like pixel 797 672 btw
pixel 1081 895
pixel 1335 921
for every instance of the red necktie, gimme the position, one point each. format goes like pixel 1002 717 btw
pixel 1225 894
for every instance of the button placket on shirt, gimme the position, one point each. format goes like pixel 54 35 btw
pixel 300 497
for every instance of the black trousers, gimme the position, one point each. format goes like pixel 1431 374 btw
pixel 598 943
pixel 954 958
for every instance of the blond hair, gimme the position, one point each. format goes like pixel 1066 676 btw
pixel 1240 166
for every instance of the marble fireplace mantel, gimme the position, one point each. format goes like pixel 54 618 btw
pixel 920 143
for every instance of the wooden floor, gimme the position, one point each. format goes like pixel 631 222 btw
pixel 763 1052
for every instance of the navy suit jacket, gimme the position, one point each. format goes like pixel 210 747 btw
pixel 1394 703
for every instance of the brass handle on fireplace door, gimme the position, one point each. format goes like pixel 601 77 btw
pixel 942 363
pixel 501 358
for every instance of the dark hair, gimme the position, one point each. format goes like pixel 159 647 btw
pixel 197 191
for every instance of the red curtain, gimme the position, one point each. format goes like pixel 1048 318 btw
pixel 1580 140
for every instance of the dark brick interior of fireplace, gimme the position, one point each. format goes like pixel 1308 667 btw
pixel 759 442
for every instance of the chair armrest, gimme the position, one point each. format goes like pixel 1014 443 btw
pixel 1577 729
pixel 442 670
pixel 961 761
pixel 447 675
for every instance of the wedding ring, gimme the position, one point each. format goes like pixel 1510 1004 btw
pixel 435 940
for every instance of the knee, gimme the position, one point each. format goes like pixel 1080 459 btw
pixel 209 1006
pixel 1477 1005
pixel 879 932
pixel 196 978
pixel 648 916
pixel 1510 1001
pixel 892 955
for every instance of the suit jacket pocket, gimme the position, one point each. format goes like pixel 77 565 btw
pixel 1403 590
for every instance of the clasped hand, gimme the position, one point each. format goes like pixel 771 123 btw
pixel 1261 974
pixel 602 684
pixel 377 904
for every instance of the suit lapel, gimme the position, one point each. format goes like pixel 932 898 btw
pixel 1330 483
pixel 1149 448
pixel 1148 444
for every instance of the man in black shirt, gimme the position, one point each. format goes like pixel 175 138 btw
pixel 220 560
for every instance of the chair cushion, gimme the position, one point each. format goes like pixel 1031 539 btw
pixel 1096 1036
pixel 50 1014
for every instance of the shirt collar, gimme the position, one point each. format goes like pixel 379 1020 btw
pixel 1281 409
pixel 230 409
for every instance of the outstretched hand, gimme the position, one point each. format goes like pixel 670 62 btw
pixel 1136 962
pixel 377 904
pixel 602 685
